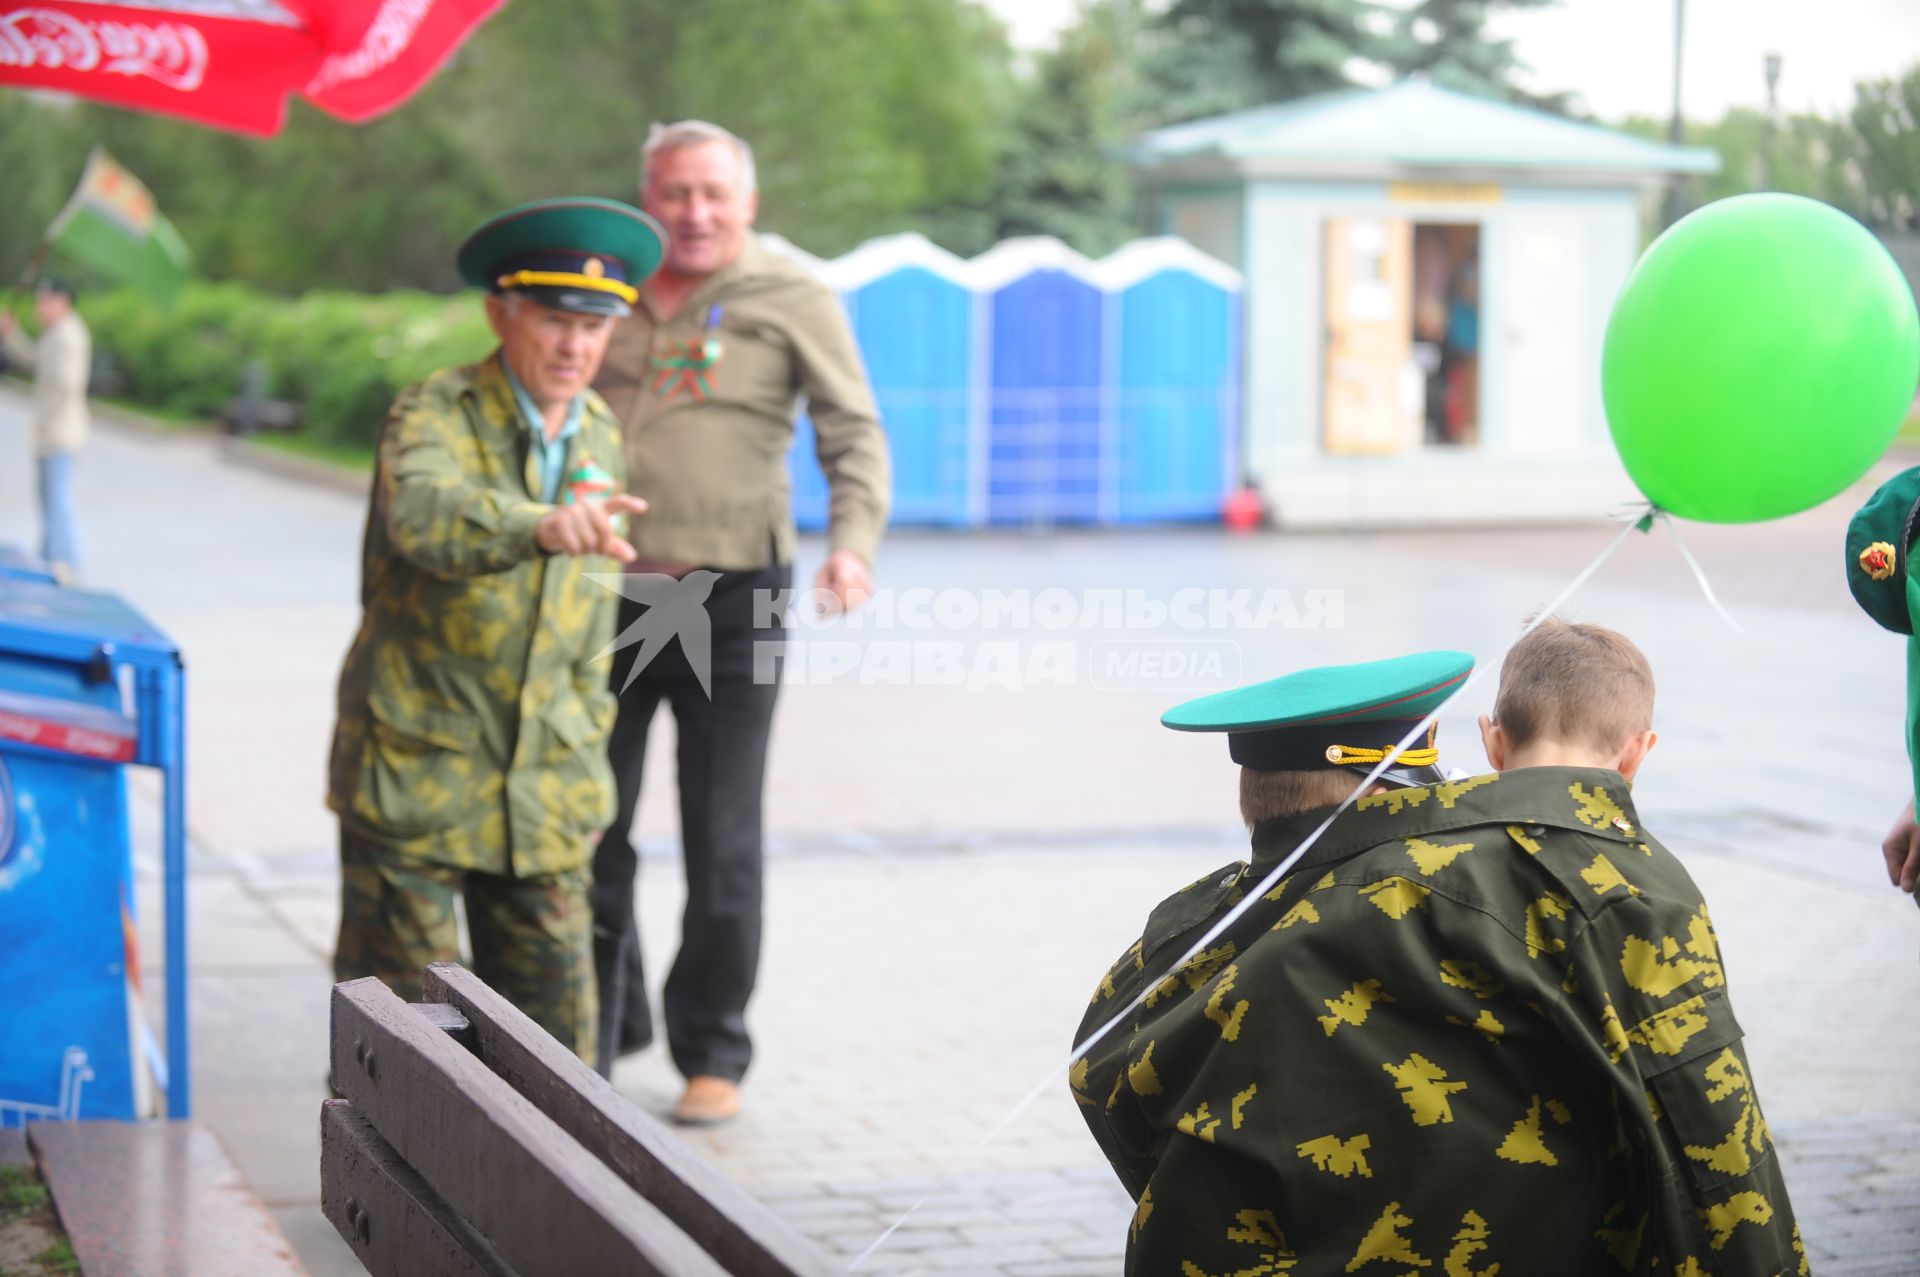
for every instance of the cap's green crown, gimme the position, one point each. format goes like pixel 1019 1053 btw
pixel 1334 716
pixel 557 252
pixel 1402 687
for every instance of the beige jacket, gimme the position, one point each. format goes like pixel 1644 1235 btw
pixel 708 428
pixel 60 362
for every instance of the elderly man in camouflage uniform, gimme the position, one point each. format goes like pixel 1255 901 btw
pixel 1480 1026
pixel 470 755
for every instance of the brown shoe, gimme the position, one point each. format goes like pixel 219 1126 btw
pixel 707 1101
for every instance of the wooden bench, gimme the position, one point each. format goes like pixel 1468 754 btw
pixel 251 412
pixel 470 1142
pixel 257 416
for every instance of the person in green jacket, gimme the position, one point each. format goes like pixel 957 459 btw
pixel 1481 1026
pixel 469 757
pixel 1881 575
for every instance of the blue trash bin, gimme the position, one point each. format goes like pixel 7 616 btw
pixel 87 687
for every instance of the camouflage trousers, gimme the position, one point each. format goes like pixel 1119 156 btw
pixel 532 938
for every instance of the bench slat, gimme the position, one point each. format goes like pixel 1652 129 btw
pixel 546 1204
pixel 157 1199
pixel 737 1229
pixel 396 1224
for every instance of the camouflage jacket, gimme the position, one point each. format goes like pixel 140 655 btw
pixel 474 708
pixel 1480 1027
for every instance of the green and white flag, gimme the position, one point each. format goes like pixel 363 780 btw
pixel 112 228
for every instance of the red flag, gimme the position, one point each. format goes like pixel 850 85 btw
pixel 232 63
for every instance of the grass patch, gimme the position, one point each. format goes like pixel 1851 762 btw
pixel 21 1191
pixel 347 456
pixel 58 1258
pixel 159 416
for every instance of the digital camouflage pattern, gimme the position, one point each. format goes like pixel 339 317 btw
pixel 474 708
pixel 532 937
pixel 1481 1027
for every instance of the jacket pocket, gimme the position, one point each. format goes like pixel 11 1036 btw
pixel 419 773
pixel 1705 1098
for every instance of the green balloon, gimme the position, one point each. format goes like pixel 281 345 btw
pixel 1761 357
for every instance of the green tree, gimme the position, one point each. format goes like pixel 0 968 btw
pixel 1208 56
pixel 1447 41
pixel 1811 155
pixel 860 111
pixel 1886 123
pixel 42 153
pixel 1063 173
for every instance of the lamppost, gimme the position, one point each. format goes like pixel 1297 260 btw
pixel 1773 120
pixel 1676 127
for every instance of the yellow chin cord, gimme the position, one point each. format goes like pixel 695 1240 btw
pixel 1421 756
pixel 568 279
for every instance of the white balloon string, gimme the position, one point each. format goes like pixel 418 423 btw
pixel 1699 573
pixel 1234 914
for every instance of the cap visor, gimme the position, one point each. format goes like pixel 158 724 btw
pixel 580 301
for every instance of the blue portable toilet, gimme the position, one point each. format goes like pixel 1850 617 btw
pixel 914 314
pixel 1175 381
pixel 1046 372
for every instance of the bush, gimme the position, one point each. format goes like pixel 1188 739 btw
pixel 342 357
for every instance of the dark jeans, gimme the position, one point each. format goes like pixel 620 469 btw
pixel 722 762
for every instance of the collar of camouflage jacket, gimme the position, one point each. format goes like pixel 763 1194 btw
pixel 1595 801
pixel 494 391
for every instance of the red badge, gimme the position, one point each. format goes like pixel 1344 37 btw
pixel 1877 560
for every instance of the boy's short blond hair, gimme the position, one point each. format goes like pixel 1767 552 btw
pixel 1575 683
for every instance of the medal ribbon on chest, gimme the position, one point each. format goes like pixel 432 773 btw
pixel 689 367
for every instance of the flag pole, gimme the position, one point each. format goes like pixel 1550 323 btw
pixel 28 277
pixel 35 265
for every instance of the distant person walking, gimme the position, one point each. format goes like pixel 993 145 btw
pixel 61 362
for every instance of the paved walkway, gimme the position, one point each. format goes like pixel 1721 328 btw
pixel 953 869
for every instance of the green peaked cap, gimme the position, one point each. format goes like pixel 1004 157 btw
pixel 1879 541
pixel 1335 715
pixel 578 252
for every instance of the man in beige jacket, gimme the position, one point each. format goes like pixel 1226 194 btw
pixel 707 377
pixel 60 362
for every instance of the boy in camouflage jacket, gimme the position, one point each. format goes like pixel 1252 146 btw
pixel 1480 1027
